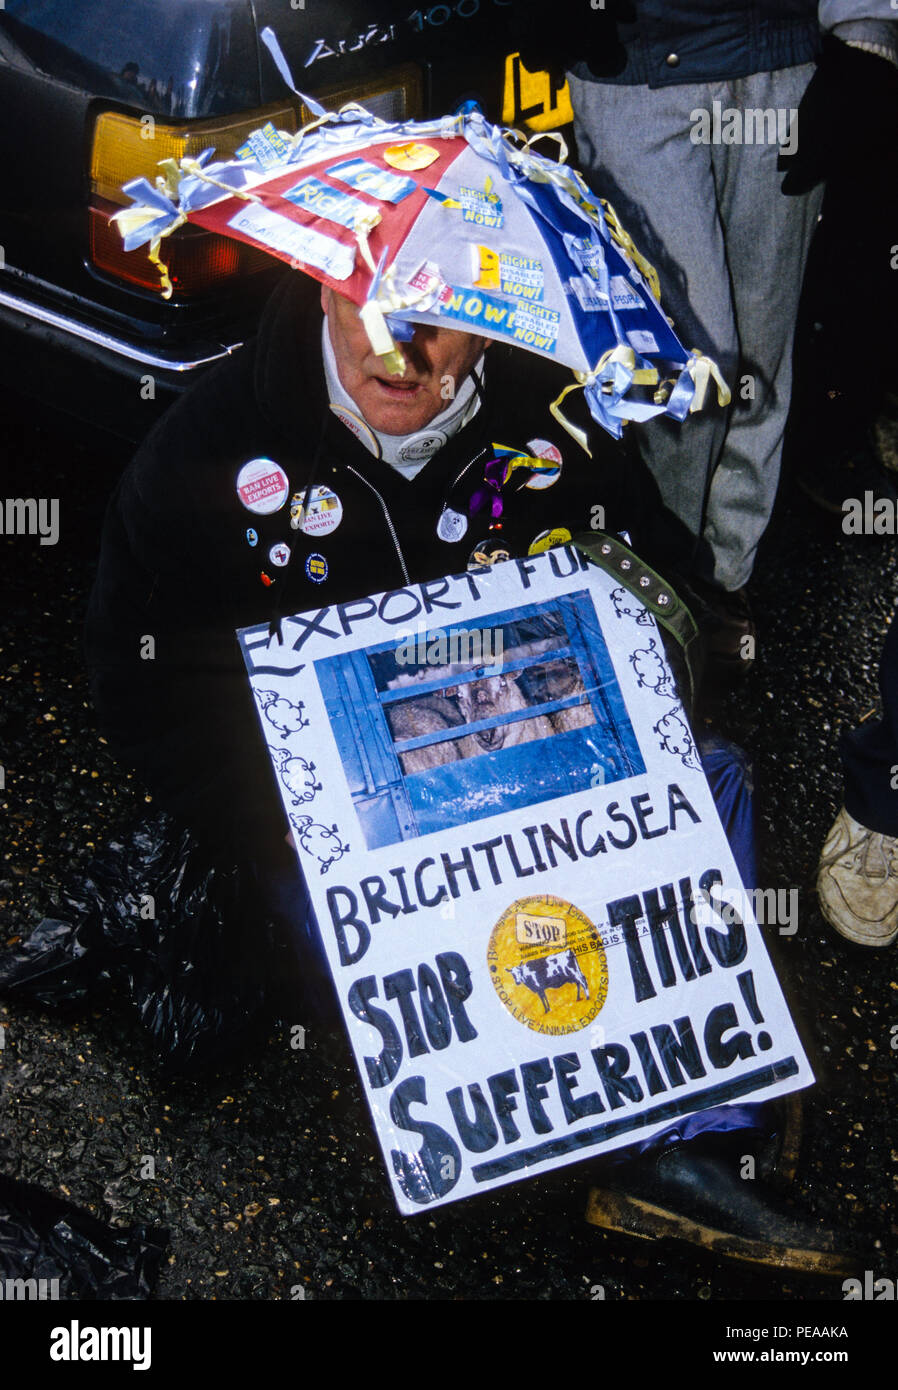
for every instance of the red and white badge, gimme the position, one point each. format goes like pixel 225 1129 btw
pixel 279 554
pixel 262 486
pixel 542 449
pixel 322 513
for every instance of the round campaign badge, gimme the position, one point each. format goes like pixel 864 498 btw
pixel 279 554
pixel 316 568
pixel 262 486
pixel 411 156
pixel 488 553
pixel 543 449
pixel 252 536
pixel 322 513
pixel 547 964
pixel 420 447
pixel 357 425
pixel 546 540
pixel 451 525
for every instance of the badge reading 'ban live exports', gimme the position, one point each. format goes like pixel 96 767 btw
pixel 548 965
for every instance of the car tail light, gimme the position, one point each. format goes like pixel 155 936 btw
pixel 126 147
pixel 198 262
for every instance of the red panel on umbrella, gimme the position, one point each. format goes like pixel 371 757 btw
pixel 397 219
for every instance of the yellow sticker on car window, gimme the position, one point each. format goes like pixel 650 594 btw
pixel 534 99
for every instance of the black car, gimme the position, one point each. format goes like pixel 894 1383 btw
pixel 96 92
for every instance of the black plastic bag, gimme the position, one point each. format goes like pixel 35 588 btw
pixel 183 934
pixel 46 1239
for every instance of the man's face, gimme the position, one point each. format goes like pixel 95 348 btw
pixel 437 362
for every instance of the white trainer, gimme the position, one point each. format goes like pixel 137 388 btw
pixel 857 882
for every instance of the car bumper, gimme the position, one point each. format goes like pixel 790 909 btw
pixel 116 383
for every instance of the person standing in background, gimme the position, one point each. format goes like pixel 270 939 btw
pixel 686 114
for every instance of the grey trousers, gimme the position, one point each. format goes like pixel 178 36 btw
pixel 730 249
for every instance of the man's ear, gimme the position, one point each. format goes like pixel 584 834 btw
pixel 325 298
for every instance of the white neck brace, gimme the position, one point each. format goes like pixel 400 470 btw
pixel 407 453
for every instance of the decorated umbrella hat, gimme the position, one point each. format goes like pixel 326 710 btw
pixel 454 222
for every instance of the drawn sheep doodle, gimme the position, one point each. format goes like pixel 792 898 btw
pixel 618 598
pixel 676 738
pixel 297 775
pixel 651 673
pixel 285 717
pixel 325 844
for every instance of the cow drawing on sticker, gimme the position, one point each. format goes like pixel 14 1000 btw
pixel 676 738
pixel 622 608
pixel 297 775
pixel 550 972
pixel 323 843
pixel 651 672
pixel 286 717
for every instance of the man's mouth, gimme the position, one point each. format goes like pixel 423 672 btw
pixel 397 389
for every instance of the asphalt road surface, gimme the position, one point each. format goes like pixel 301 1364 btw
pixel 267 1175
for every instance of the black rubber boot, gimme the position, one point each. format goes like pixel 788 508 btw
pixel 696 1192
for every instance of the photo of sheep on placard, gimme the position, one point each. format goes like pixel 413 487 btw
pixel 470 698
pixel 452 724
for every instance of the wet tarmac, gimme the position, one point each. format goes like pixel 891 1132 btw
pixel 267 1175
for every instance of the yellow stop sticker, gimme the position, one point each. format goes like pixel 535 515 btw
pixel 548 965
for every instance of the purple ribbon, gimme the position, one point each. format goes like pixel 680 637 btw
pixel 488 497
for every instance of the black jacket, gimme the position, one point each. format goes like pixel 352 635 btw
pixel 663 43
pixel 177 575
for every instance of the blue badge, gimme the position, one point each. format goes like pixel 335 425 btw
pixel 252 537
pixel 316 568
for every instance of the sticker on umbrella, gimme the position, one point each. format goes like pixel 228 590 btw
pixel 411 156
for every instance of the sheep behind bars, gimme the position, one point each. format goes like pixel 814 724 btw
pixel 487 698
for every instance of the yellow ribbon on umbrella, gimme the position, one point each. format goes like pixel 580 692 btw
pixel 168 182
pixel 381 339
pixel 703 369
pixel 626 243
pixel 132 219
